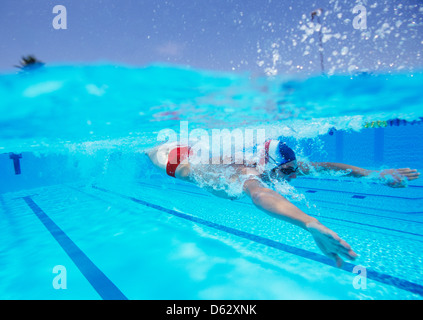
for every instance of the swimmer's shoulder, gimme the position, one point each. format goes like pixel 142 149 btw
pixel 250 171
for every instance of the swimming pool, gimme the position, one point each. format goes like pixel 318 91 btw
pixel 89 209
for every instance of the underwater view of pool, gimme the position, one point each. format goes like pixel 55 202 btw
pixel 80 198
pixel 203 151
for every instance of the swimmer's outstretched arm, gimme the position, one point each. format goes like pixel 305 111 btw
pixel 277 206
pixel 395 178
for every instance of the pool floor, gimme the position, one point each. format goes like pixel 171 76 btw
pixel 147 241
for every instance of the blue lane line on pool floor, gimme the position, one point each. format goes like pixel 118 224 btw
pixel 349 267
pixel 364 207
pixel 325 217
pixel 356 196
pixel 361 194
pixel 99 281
pixel 336 180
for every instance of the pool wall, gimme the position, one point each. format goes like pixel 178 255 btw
pixel 389 147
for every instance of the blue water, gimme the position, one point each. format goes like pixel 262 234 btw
pixel 57 106
pixel 88 199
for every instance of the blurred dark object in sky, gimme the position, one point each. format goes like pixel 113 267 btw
pixel 29 62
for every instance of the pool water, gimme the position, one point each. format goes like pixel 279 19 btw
pixel 90 204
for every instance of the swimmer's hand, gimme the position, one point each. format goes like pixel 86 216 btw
pixel 330 243
pixel 398 178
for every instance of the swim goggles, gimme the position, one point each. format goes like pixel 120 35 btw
pixel 286 171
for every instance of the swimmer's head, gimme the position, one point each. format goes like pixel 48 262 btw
pixel 280 160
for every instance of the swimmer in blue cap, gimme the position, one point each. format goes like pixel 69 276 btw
pixel 274 161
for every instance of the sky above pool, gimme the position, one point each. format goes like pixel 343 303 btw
pixel 272 37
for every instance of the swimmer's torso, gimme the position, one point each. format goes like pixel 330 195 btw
pixel 221 175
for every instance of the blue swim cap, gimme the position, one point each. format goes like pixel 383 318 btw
pixel 277 153
pixel 286 153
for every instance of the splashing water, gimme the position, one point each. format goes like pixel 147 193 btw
pixel 102 114
pixel 385 40
pixel 91 107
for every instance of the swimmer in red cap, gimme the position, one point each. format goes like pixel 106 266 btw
pixel 273 162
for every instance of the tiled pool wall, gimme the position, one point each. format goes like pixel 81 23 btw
pixel 395 146
pixel 392 146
